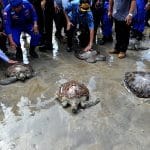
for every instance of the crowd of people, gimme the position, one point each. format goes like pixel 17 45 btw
pixel 36 17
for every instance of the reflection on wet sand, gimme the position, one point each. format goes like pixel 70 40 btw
pixel 30 119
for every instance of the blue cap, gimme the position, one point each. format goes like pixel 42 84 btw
pixel 15 3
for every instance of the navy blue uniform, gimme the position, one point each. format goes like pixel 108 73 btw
pixel 15 23
pixel 20 16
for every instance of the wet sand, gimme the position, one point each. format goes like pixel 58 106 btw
pixel 30 118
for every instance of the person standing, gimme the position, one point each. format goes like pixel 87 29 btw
pixel 60 20
pixel 122 12
pixel 138 24
pixel 45 12
pixel 100 14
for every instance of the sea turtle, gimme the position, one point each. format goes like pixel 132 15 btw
pixel 134 44
pixel 16 72
pixel 139 83
pixel 74 94
pixel 90 56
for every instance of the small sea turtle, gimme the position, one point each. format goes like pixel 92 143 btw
pixel 137 45
pixel 74 94
pixel 16 72
pixel 139 83
pixel 90 56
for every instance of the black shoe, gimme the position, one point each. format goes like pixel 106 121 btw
pixel 69 49
pixel 34 54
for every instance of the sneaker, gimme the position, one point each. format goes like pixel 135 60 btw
pixel 114 51
pixel 122 55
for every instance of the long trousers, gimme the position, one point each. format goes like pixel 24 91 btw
pixel 122 35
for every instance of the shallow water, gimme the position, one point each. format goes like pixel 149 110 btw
pixel 30 118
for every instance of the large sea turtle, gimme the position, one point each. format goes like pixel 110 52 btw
pixel 74 94
pixel 16 72
pixel 139 83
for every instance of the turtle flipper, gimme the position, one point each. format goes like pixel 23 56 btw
pixel 64 104
pixel 86 104
pixel 8 80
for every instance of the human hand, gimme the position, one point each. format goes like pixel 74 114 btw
pixel 147 6
pixel 10 61
pixel 88 48
pixel 128 19
pixel 69 24
pixel 57 9
pixel 2 33
pixel 109 13
pixel 13 45
pixel 35 29
pixel 97 4
pixel 43 2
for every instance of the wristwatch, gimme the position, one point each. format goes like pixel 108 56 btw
pixel 130 14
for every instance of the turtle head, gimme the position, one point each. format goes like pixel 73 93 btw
pixel 28 74
pixel 74 105
pixel 74 110
pixel 21 76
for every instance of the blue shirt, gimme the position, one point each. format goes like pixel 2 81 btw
pixel 76 17
pixel 22 19
pixel 3 56
pixel 121 9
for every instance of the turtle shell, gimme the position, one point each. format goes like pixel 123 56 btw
pixel 73 89
pixel 139 83
pixel 20 71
